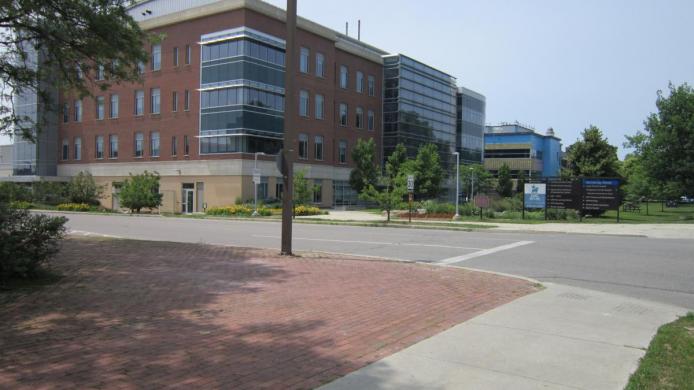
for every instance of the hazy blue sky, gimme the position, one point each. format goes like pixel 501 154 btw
pixel 560 63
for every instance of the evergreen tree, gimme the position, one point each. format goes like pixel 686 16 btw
pixel 592 156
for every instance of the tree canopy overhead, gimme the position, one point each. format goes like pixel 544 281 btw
pixel 73 39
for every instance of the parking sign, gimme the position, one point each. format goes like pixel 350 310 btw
pixel 410 183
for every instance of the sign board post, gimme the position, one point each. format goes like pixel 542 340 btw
pixel 482 201
pixel 410 190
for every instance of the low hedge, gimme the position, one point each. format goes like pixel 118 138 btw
pixel 302 210
pixel 21 205
pixel 74 207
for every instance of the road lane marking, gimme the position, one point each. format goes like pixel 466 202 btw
pixel 484 252
pixel 369 242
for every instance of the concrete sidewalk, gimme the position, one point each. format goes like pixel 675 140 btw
pixel 559 338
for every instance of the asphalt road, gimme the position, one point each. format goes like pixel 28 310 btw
pixel 653 269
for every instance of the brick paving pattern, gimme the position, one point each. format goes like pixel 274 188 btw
pixel 138 314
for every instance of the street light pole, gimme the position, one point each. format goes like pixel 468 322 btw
pixel 457 184
pixel 289 141
pixel 255 184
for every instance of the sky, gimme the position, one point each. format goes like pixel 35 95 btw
pixel 564 64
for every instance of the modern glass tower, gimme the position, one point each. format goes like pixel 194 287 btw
pixel 470 126
pixel 419 107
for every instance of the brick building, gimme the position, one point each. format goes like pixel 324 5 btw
pixel 212 98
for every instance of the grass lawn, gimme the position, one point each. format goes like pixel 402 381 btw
pixel 669 361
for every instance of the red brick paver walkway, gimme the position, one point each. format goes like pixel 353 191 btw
pixel 137 314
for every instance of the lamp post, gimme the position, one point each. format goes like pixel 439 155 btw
pixel 457 184
pixel 255 183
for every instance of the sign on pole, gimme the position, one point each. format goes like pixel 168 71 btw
pixel 535 195
pixel 482 201
pixel 256 176
pixel 410 183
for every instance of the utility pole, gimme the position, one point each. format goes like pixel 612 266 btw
pixel 289 140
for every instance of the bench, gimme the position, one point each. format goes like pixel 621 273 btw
pixel 631 207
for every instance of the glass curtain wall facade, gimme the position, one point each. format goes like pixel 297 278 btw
pixel 241 92
pixel 419 107
pixel 470 126
pixel 39 158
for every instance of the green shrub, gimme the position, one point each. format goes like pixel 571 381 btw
pixel 141 191
pixel 21 205
pixel 83 189
pixel 74 207
pixel 434 207
pixel 10 191
pixel 507 204
pixel 27 241
pixel 49 192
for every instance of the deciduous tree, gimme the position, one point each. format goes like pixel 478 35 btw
pixel 504 184
pixel 365 170
pixel 141 191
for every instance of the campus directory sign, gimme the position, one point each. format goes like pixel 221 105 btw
pixel 600 194
pixel 535 195
pixel 563 194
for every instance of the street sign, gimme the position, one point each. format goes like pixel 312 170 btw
pixel 256 176
pixel 410 183
pixel 535 195
pixel 482 201
pixel 563 194
pixel 600 194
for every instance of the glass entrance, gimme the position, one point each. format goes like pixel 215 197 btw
pixel 187 202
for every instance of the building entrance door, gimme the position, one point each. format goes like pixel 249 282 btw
pixel 187 202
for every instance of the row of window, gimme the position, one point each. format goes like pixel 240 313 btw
pixel 242 47
pixel 138 149
pixel 241 95
pixel 318 148
pixel 114 102
pixel 319 111
pixel 155 57
pixel 304 67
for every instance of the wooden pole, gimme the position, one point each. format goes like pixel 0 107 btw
pixel 289 141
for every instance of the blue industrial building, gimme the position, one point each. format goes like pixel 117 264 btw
pixel 522 149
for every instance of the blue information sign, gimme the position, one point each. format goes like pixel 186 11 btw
pixel 535 195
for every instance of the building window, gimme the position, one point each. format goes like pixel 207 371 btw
pixel 174 146
pixel 78 71
pixel 66 149
pixel 344 79
pixel 155 100
pixel 175 56
pixel 113 146
pixel 114 106
pixel 343 114
pixel 320 65
pixel 371 120
pixel 156 57
pixel 279 189
pixel 303 146
pixel 318 149
pixel 186 146
pixel 317 191
pixel 100 72
pixel 114 66
pixel 99 147
pixel 319 107
pixel 141 67
pixel 189 54
pixel 360 82
pixel 303 103
pixel 139 144
pixel 99 107
pixel 304 55
pixel 174 101
pixel 342 152
pixel 359 119
pixel 78 148
pixel 66 112
pixel 186 101
pixel 154 144
pixel 78 111
pixel 372 86
pixel 139 102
